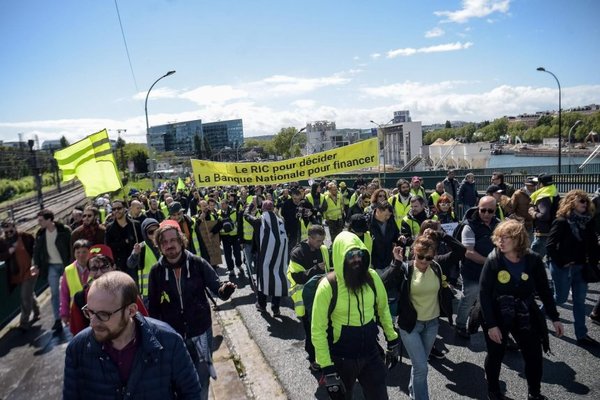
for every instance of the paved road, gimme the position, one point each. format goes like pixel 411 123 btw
pixel 571 373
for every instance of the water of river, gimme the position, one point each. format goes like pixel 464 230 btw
pixel 510 160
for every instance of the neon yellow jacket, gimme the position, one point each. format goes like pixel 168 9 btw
pixel 346 312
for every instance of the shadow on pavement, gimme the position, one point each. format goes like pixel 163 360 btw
pixel 460 375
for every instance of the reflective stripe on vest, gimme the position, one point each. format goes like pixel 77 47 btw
pixel 400 210
pixel 149 261
pixel 415 227
pixel 334 208
pixel 71 274
pixel 296 288
pixel 304 229
pixel 195 238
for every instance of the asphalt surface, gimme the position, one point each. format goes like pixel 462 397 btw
pixel 572 372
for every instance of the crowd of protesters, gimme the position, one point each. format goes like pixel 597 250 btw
pixel 146 270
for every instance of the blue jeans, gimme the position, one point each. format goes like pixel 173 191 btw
pixel 570 277
pixel 470 294
pixel 539 245
pixel 418 344
pixel 55 271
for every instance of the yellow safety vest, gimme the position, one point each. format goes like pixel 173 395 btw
pixel 296 288
pixel 415 227
pixel 248 229
pixel 435 196
pixel 102 212
pixel 345 198
pixel 334 208
pixel 194 235
pixel 149 261
pixel 368 241
pixel 400 209
pixel 233 217
pixel 164 208
pixel 353 199
pixel 418 192
pixel 74 284
pixel 304 229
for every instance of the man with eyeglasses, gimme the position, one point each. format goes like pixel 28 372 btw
pixel 124 354
pixel 90 230
pixel 121 235
pixel 16 250
pixel 477 238
pixel 100 262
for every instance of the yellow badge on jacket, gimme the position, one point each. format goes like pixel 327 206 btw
pixel 503 277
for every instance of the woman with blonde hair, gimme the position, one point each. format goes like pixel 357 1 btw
pixel 511 276
pixel 572 244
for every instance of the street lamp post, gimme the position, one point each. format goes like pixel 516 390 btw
pixel 146 111
pixel 571 130
pixel 36 171
pixel 293 136
pixel 542 69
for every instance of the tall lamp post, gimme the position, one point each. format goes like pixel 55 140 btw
pixel 542 69
pixel 146 111
pixel 571 130
pixel 293 137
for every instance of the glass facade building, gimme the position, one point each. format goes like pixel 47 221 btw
pixel 179 136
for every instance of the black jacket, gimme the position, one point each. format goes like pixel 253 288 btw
pixel 63 244
pixel 189 314
pixel 397 278
pixel 383 243
pixel 122 239
pixel 563 247
pixel 490 288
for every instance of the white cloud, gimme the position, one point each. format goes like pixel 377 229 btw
pixel 427 102
pixel 304 103
pixel 435 32
pixel 356 58
pixel 409 51
pixel 375 56
pixel 209 94
pixel 475 9
pixel 158 93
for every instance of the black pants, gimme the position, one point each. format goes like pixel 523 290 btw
pixel 232 249
pixel 370 372
pixel 308 346
pixel 262 300
pixel 531 349
pixel 335 227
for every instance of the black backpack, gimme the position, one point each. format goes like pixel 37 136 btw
pixel 310 289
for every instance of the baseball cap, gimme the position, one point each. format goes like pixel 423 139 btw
pixel 493 189
pixel 531 180
pixel 101 249
pixel 175 207
pixel 544 179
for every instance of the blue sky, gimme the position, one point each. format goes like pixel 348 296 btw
pixel 279 63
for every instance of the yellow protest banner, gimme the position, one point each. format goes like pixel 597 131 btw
pixel 342 159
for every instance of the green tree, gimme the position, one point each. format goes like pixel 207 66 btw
pixel 448 125
pixel 138 153
pixel 544 120
pixel 120 156
pixel 282 142
pixel 64 142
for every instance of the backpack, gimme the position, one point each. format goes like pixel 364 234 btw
pixel 310 289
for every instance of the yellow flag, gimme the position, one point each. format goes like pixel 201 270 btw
pixel 180 184
pixel 90 160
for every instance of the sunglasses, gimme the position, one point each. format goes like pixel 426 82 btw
pixel 117 208
pixel 88 215
pixel 583 201
pixel 353 253
pixel 103 316
pixel 444 204
pixel 422 257
pixel 487 210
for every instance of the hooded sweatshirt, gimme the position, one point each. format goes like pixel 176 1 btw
pixel 353 318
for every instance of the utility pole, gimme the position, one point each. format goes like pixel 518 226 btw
pixel 36 174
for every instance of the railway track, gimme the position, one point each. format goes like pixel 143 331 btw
pixel 61 203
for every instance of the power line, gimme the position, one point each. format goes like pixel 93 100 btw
pixel 126 48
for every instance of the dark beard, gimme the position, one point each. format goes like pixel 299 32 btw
pixel 355 276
